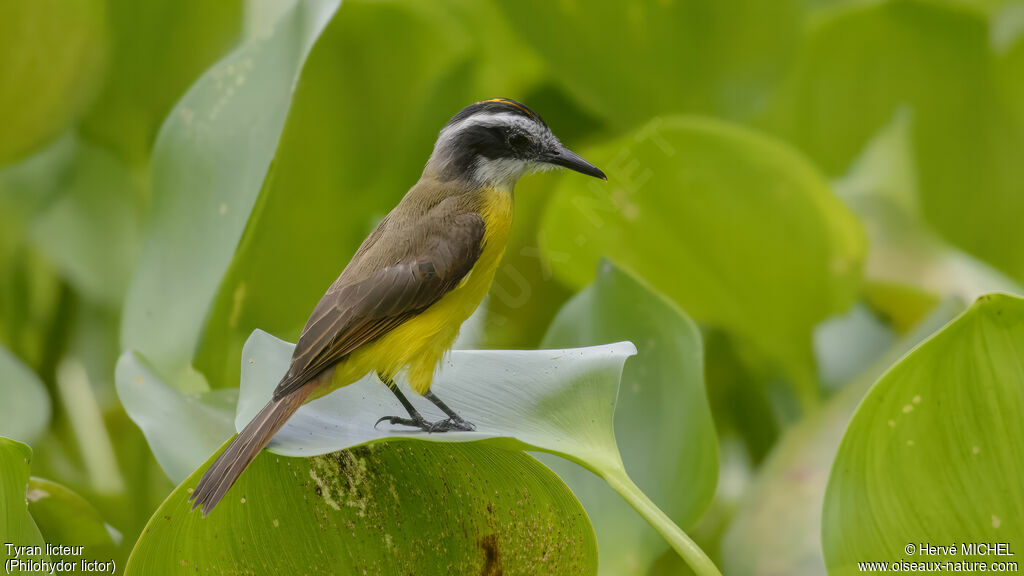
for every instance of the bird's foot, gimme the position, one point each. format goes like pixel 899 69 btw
pixel 427 426
pixel 453 424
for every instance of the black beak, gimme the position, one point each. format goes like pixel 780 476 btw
pixel 568 159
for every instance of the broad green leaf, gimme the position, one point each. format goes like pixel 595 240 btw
pixel 51 56
pixel 881 188
pixel 16 525
pixel 182 429
pixel 90 231
pixel 209 163
pixel 395 508
pixel 631 61
pixel 29 286
pixel 354 142
pixel 64 517
pixel 934 452
pixel 506 63
pixel 864 61
pixel 1007 41
pixel 157 50
pixel 663 424
pixel 736 228
pixel 34 511
pixel 775 530
pixel 556 401
pixel 25 413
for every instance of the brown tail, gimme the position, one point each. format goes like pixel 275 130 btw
pixel 219 478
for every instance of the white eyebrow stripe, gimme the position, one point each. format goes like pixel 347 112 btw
pixel 489 119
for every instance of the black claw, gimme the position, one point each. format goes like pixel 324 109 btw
pixel 412 422
pixel 429 427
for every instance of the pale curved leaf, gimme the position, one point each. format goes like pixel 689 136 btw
pixel 559 401
pixel 663 424
pixel 24 401
pixel 209 163
pixel 181 429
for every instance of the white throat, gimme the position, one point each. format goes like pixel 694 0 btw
pixel 502 172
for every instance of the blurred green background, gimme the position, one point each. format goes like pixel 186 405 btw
pixel 818 184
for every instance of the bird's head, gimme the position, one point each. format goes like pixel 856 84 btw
pixel 494 142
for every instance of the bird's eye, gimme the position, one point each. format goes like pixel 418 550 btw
pixel 518 141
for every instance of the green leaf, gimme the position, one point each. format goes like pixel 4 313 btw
pixel 395 508
pixel 34 511
pixel 182 429
pixel 864 61
pixel 520 394
pixel 881 188
pixel 51 56
pixel 16 525
pixel 1007 41
pixel 751 226
pixel 209 163
pixel 934 452
pixel 64 517
pixel 776 528
pixel 26 414
pixel 556 401
pixel 158 49
pixel 704 55
pixel 295 244
pixel 663 424
pixel 91 231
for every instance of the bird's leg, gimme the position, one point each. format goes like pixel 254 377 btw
pixel 455 421
pixel 415 419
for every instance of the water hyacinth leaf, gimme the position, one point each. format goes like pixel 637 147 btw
pixel 508 394
pixel 935 452
pixel 864 61
pixel 328 187
pixel 26 413
pixel 396 508
pixel 777 527
pixel 16 525
pixel 1007 38
pixel 52 54
pixel 64 517
pixel 663 424
pixel 705 55
pixel 181 429
pixel 157 50
pixel 91 230
pixel 209 163
pixel 752 227
pixel 556 401
pixel 881 187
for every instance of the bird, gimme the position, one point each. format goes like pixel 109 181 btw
pixel 400 301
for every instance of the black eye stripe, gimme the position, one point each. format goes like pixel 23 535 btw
pixel 487 141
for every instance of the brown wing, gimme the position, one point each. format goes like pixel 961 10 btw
pixel 352 314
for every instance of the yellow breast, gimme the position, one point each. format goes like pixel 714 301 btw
pixel 420 343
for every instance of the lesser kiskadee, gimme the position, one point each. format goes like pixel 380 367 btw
pixel 417 277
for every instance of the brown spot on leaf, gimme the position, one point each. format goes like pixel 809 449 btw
pixel 492 556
